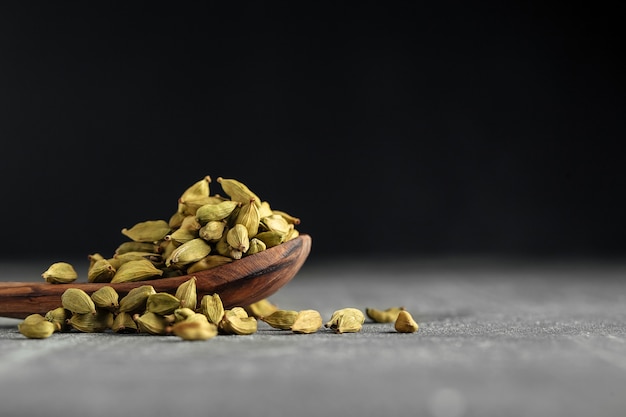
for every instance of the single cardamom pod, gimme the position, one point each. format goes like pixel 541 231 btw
pixel 100 271
pixel 256 246
pixel 189 208
pixel 152 323
pixel 388 315
pixel 220 211
pixel 189 252
pixel 276 223
pixel 237 238
pixel 92 323
pixel 59 317
pixel 147 231
pixel 180 236
pixel 405 323
pixel 106 297
pixel 235 324
pixel 271 238
pixel 78 301
pixel 238 191
pixel 36 327
pixel 122 258
pixel 346 320
pixel 60 273
pixel 132 246
pixel 281 319
pixel 307 321
pixel 187 294
pixel 124 323
pixel 211 306
pixel 288 217
pixel 208 262
pixel 261 308
pixel 138 270
pixel 162 303
pixel 197 191
pixel 93 258
pixel 193 329
pixel 184 313
pixel 248 216
pixel 212 231
pixel 136 299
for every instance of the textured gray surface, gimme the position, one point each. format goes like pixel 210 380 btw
pixel 495 339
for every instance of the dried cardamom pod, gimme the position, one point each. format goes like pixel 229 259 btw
pixel 212 231
pixel 92 323
pixel 78 301
pixel 276 223
pixel 136 299
pixel 265 209
pixel 35 326
pixel 100 271
pixel 238 191
pixel 256 246
pixel 60 273
pixel 194 329
pixel 405 323
pixel 237 238
pixel 180 236
pixel 197 191
pixel 138 270
pixel 147 231
pixel 106 297
pixel 281 319
pixel 162 303
pixel 208 262
pixel 219 211
pixel 211 306
pixel 346 320
pixel 261 308
pixel 124 323
pixel 290 219
pixel 235 323
pixel 184 313
pixel 132 246
pixel 152 323
pixel 190 208
pixel 93 258
pixel 59 317
pixel 291 234
pixel 271 238
pixel 248 216
pixel 307 321
pixel 188 252
pixel 187 294
pixel 388 315
pixel 122 258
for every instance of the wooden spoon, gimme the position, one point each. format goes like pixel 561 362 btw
pixel 238 283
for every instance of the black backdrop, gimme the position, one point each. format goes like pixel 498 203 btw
pixel 390 128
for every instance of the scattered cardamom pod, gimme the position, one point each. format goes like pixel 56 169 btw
pixel 60 273
pixel 281 319
pixel 211 306
pixel 162 303
pixel 187 294
pixel 388 315
pixel 405 323
pixel 59 317
pixel 307 321
pixel 346 320
pixel 135 300
pixel 92 323
pixel 124 323
pixel 194 329
pixel 35 326
pixel 152 323
pixel 261 308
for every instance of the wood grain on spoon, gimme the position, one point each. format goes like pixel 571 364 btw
pixel 238 283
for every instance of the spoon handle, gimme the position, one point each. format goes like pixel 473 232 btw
pixel 239 283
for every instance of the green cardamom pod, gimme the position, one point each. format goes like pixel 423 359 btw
pixel 208 262
pixel 35 326
pixel 138 270
pixel 307 321
pixel 188 252
pixel 106 297
pixel 346 320
pixel 59 317
pixel 60 273
pixel 152 323
pixel 132 246
pixel 220 211
pixel 237 238
pixel 101 271
pixel 136 299
pixel 256 246
pixel 147 231
pixel 162 303
pixel 194 329
pixel 92 323
pixel 78 301
pixel 124 323
pixel 212 231
pixel 187 293
pixel 238 191
pixel 281 319
pixel 248 216
pixel 211 306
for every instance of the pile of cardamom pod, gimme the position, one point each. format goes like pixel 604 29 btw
pixel 204 232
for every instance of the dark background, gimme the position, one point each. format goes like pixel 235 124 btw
pixel 391 129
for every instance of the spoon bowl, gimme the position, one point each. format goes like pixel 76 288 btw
pixel 238 283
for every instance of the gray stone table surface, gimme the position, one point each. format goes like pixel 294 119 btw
pixel 495 339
